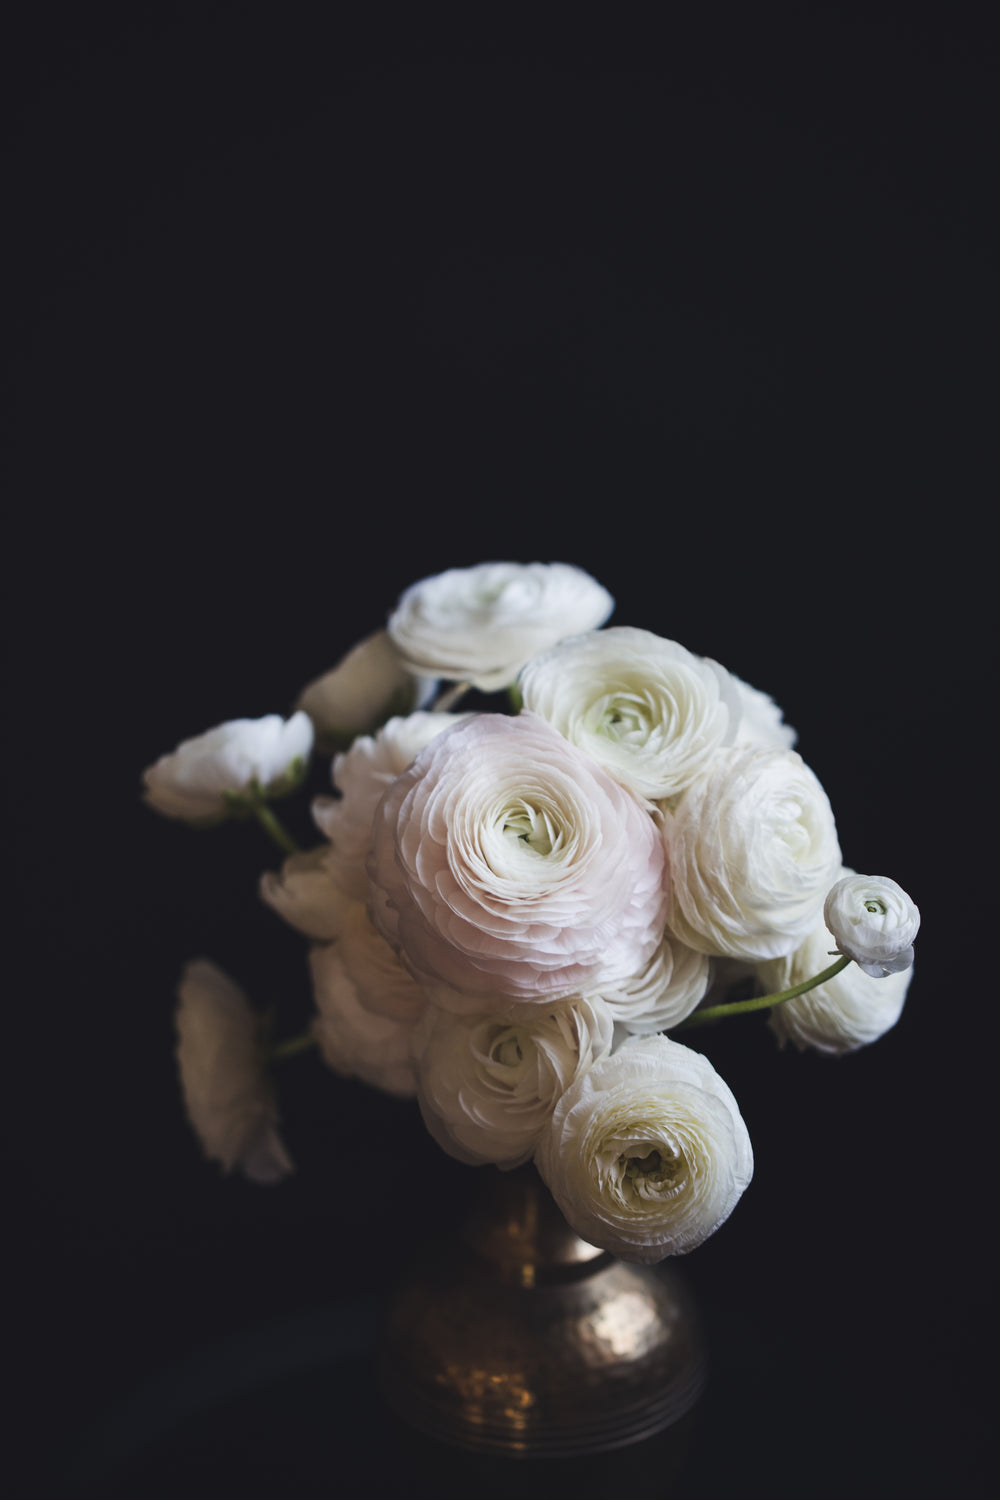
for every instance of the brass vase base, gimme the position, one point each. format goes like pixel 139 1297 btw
pixel 520 1338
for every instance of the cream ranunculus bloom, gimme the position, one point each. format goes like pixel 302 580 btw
pixel 228 1096
pixel 849 1011
pixel 481 624
pixel 761 720
pixel 197 781
pixel 354 1041
pixel 506 864
pixel 647 1153
pixel 366 687
pixel 874 922
pixel 652 714
pixel 487 1085
pixel 304 893
pixel 752 848
pixel 361 775
pixel 662 994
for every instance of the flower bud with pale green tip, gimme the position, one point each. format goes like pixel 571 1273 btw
pixel 225 771
pixel 367 686
pixel 873 922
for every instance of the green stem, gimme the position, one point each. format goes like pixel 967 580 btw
pixel 763 1002
pixel 292 1046
pixel 272 825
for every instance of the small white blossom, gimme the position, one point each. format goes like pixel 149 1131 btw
pixel 849 1011
pixel 228 1096
pixel 304 893
pixel 366 687
pixel 874 922
pixel 481 624
pixel 196 781
pixel 647 1153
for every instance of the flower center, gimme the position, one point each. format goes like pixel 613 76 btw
pixel 657 1168
pixel 531 827
pixel 875 907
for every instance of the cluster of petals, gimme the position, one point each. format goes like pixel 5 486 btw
pixel 481 624
pixel 366 687
pixel 197 781
pixel 354 1040
pixel 487 1085
pixel 507 863
pixel 873 921
pixel 847 1012
pixel 752 848
pixel 228 1096
pixel 646 709
pixel 647 1153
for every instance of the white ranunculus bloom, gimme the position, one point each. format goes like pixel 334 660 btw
pixel 647 1153
pixel 507 864
pixel 366 687
pixel 849 1011
pixel 354 1041
pixel 481 624
pixel 228 1096
pixel 874 922
pixel 662 994
pixel 752 849
pixel 761 720
pixel 304 893
pixel 381 982
pixel 361 775
pixel 196 781
pixel 487 1085
pixel 652 714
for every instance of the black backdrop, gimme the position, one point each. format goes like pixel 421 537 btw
pixel 304 307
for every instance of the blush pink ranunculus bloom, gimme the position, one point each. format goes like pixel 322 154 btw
pixel 506 864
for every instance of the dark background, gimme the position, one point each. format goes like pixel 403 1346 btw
pixel 303 307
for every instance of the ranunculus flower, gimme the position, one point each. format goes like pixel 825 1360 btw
pixel 874 922
pixel 752 848
pixel 662 994
pixel 199 780
pixel 507 863
pixel 354 1041
pixel 652 714
pixel 487 1085
pixel 366 687
pixel 647 1154
pixel 305 894
pixel 228 1096
pixel 361 775
pixel 849 1011
pixel 481 624
pixel 761 720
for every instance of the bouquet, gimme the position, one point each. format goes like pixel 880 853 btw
pixel 551 848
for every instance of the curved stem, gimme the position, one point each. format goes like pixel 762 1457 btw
pixel 292 1046
pixel 273 826
pixel 763 1002
pixel 449 696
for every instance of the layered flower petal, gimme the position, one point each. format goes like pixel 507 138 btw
pixel 481 624
pixel 196 781
pixel 647 710
pixel 354 1041
pixel 752 848
pixel 506 863
pixel 647 1153
pixel 487 1085
pixel 874 922
pixel 228 1096
pixel 849 1011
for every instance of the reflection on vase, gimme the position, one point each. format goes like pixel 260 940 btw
pixel 518 1337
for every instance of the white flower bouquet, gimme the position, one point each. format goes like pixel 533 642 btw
pixel 513 909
